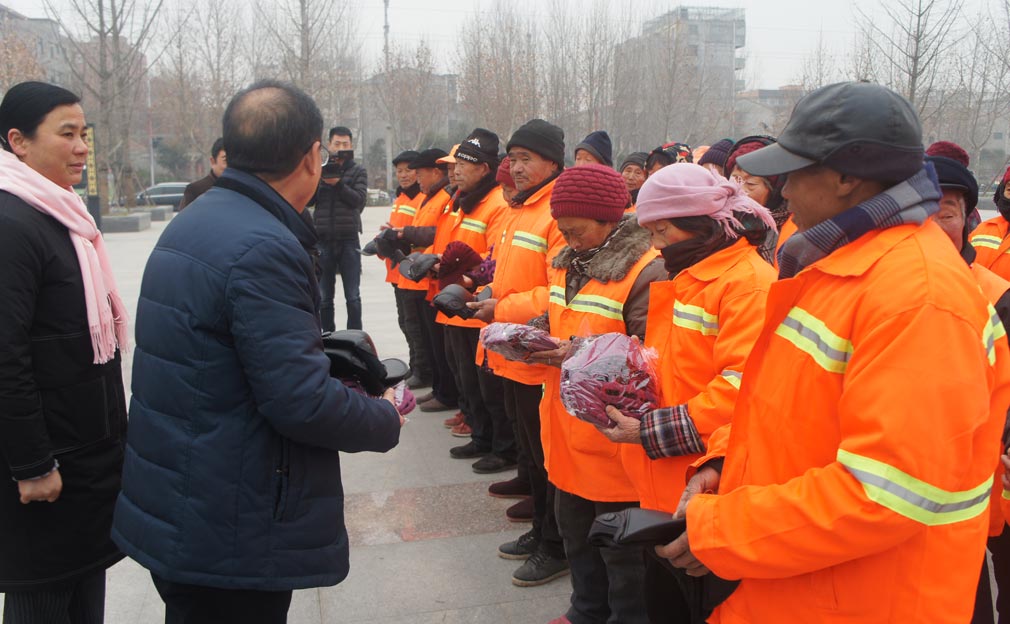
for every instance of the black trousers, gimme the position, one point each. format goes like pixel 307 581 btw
pixel 664 600
pixel 81 601
pixel 195 604
pixel 481 394
pixel 443 386
pixel 999 546
pixel 608 584
pixel 522 405
pixel 409 319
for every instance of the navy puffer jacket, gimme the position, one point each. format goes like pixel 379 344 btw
pixel 232 473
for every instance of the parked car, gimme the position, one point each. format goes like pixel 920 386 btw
pixel 163 194
pixel 377 197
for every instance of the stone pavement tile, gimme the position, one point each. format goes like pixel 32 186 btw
pixel 424 513
pixel 413 579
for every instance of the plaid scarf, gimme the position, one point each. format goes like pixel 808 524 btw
pixel 913 201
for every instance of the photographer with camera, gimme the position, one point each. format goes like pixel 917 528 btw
pixel 339 202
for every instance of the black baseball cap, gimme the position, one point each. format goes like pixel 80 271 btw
pixel 857 128
pixel 953 175
pixel 428 159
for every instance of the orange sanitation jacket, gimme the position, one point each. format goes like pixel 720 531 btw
pixel 579 459
pixel 529 241
pixel 861 455
pixel 402 214
pixel 703 325
pixel 992 246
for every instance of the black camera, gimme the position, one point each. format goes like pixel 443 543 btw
pixel 338 164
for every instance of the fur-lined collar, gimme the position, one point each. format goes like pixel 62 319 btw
pixel 615 261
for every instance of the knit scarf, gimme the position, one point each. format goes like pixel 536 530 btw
pixel 910 202
pixel 107 317
pixel 467 201
pixel 579 266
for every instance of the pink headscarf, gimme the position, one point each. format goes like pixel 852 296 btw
pixel 107 318
pixel 690 190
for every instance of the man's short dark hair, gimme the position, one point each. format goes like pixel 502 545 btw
pixel 217 148
pixel 342 131
pixel 269 126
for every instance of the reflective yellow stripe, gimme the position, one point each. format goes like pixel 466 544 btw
pixel 992 332
pixel 408 210
pixel 696 318
pixel 1006 494
pixel 982 240
pixel 589 304
pixel 810 335
pixel 473 225
pixel 733 377
pixel 529 241
pixel 912 498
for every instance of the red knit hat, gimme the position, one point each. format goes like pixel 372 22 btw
pixel 590 191
pixel 949 150
pixel 747 148
pixel 504 175
pixel 1006 175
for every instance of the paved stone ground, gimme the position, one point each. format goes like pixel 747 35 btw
pixel 423 530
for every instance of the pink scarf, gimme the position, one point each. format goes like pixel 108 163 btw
pixel 107 318
pixel 689 190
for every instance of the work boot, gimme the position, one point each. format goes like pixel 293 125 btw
pixel 492 464
pixel 467 451
pixel 513 488
pixel 521 511
pixel 539 569
pixel 519 549
pixel 434 405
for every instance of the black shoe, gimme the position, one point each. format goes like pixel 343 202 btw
pixel 539 569
pixel 492 464
pixel 416 382
pixel 424 398
pixel 467 451
pixel 513 488
pixel 519 549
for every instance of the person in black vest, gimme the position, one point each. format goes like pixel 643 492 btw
pixel 339 203
pixel 62 405
pixel 218 163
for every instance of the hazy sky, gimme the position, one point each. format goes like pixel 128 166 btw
pixel 780 33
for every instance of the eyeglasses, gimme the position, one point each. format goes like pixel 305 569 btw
pixel 324 156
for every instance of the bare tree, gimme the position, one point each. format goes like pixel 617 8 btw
pixel 17 63
pixel 912 43
pixel 818 68
pixel 412 97
pixel 108 48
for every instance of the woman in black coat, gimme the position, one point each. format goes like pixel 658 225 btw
pixel 62 405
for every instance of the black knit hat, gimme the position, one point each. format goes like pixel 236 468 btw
pixel 481 146
pixel 427 160
pixel 598 144
pixel 718 153
pixel 405 157
pixel 542 137
pixel 635 158
pixel 954 175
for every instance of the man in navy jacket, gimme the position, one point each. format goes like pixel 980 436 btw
pixel 231 486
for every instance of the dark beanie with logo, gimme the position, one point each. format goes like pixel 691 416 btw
pixel 541 137
pixel 481 146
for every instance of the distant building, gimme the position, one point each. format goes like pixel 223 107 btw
pixel 44 41
pixel 765 111
pixel 680 77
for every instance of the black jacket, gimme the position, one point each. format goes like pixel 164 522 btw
pixel 338 208
pixel 54 404
pixel 232 474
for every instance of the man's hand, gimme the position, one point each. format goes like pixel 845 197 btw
pixel 679 553
pixel 390 395
pixel 330 181
pixel 554 357
pixel 1006 474
pixel 627 431
pixel 705 481
pixel 46 489
pixel 483 310
pixel 385 226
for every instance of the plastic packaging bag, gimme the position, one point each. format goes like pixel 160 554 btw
pixel 516 342
pixel 609 369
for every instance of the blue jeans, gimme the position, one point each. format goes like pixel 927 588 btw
pixel 343 257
